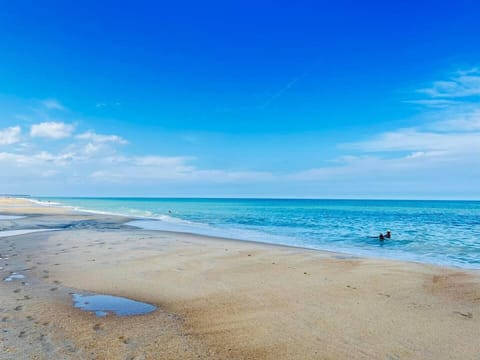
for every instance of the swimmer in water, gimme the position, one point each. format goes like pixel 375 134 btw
pixel 388 235
pixel 381 237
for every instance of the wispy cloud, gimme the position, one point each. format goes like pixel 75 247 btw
pixel 156 168
pixel 52 104
pixel 101 105
pixel 417 140
pixel 444 145
pixel 442 149
pixel 434 103
pixel 463 83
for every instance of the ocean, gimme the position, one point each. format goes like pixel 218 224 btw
pixel 436 232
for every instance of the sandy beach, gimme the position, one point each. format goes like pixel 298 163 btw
pixel 219 298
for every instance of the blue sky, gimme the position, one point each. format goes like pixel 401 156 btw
pixel 222 98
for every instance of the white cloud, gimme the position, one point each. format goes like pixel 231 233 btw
pixel 98 138
pixel 10 135
pixel 52 104
pixel 52 130
pixel 162 161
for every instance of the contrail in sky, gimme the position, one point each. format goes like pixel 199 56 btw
pixel 281 91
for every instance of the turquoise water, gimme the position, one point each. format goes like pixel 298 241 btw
pixel 438 232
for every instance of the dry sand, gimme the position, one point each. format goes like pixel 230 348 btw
pixel 220 299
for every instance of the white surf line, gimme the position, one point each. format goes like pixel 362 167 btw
pixel 11 217
pixel 22 232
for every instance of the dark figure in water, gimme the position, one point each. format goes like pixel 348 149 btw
pixel 381 237
pixel 388 235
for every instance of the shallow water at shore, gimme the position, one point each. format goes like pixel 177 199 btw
pixel 439 232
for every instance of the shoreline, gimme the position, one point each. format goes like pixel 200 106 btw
pixel 221 298
pixel 353 253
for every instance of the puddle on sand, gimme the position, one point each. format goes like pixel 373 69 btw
pixel 103 305
pixel 14 276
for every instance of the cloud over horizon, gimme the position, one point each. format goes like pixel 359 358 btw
pixel 444 144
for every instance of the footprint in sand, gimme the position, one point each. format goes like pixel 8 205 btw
pixel 467 315
pixel 54 289
pixel 386 295
pixel 124 339
pixel 98 327
pixel 16 291
pixel 18 308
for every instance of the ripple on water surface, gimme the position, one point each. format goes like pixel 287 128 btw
pixel 102 305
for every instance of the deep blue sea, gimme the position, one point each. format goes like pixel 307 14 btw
pixel 438 232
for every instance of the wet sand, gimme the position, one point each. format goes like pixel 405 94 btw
pixel 218 298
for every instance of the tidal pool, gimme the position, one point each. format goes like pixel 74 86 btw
pixel 103 305
pixel 14 276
